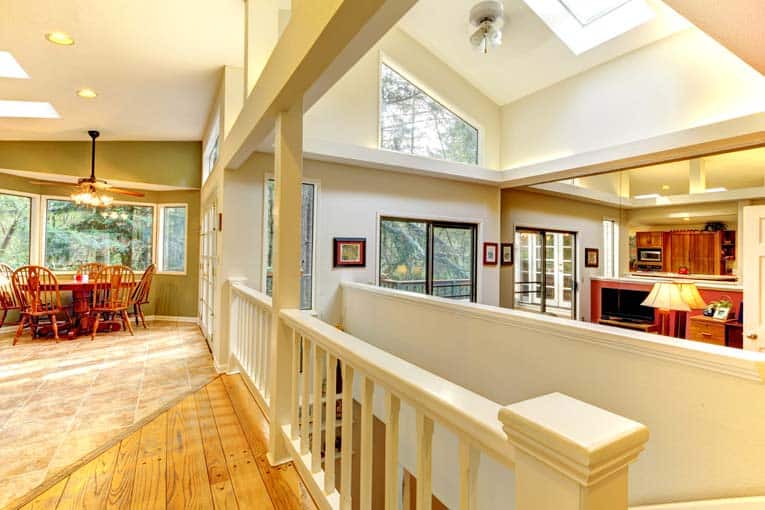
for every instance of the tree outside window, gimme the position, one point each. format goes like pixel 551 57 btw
pixel 173 229
pixel 15 223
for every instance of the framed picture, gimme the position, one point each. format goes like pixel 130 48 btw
pixel 591 257
pixel 722 312
pixel 490 254
pixel 507 254
pixel 350 252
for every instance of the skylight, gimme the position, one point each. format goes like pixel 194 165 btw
pixel 585 24
pixel 28 110
pixel 9 68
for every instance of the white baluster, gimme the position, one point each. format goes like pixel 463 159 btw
pixel 267 352
pixel 329 441
pixel 392 407
pixel 295 372
pixel 367 418
pixel 469 459
pixel 318 374
pixel 305 398
pixel 247 339
pixel 257 374
pixel 261 359
pixel 424 462
pixel 346 463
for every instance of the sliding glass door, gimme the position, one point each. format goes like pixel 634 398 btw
pixel 428 257
pixel 545 271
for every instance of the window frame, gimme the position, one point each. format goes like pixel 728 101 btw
pixel 212 141
pixel 34 222
pixel 159 232
pixel 43 220
pixel 264 236
pixel 387 60
pixel 614 248
pixel 434 221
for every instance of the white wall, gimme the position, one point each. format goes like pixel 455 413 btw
pixel 349 202
pixel 682 81
pixel 704 405
pixel 349 112
pixel 530 209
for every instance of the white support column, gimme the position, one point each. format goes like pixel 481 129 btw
pixel 570 455
pixel 288 178
pixel 697 176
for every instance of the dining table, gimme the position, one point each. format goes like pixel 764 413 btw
pixel 82 299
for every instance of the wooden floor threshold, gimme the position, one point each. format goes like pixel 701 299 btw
pixel 67 471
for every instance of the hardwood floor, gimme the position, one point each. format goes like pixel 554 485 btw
pixel 208 451
pixel 60 402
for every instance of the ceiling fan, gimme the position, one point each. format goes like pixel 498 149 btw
pixel 488 19
pixel 90 190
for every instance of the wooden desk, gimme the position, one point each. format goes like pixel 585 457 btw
pixel 715 331
pixel 637 326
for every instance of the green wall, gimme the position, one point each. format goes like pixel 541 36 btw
pixel 167 163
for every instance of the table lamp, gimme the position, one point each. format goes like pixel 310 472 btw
pixel 666 297
pixel 690 294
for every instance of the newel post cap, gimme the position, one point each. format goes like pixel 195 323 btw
pixel 581 441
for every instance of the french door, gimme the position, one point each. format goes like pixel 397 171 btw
pixel 207 260
pixel 545 271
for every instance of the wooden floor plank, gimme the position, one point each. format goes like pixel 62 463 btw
pixel 121 487
pixel 217 472
pixel 187 483
pixel 88 487
pixel 49 499
pixel 149 483
pixel 245 476
pixel 283 483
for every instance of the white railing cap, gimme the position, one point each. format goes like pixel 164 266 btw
pixel 237 286
pixel 584 442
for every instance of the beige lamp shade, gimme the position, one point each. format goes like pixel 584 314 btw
pixel 691 295
pixel 666 296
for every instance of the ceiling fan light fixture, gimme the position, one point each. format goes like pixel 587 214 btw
pixel 87 93
pixel 487 18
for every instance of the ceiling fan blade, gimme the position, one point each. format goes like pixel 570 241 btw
pixel 477 37
pixel 125 192
pixel 50 183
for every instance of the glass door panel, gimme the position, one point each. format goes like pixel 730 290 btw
pixel 453 262
pixel 403 255
pixel 528 270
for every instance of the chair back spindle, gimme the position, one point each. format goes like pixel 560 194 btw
pixel 37 289
pixel 92 269
pixel 113 288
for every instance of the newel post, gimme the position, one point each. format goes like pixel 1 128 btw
pixel 570 455
pixel 288 182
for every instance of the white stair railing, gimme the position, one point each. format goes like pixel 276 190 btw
pixel 250 338
pixel 566 454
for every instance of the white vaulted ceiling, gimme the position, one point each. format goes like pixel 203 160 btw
pixel 155 65
pixel 531 56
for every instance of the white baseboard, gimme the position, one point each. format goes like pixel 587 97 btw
pixel 166 318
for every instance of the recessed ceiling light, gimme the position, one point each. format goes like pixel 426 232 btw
pixel 9 68
pixel 87 93
pixel 61 38
pixel 686 218
pixel 715 190
pixel 28 110
pixel 665 187
pixel 649 195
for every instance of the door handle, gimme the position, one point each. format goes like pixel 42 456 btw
pixel 752 336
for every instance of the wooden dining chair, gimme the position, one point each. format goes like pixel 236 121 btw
pixel 39 296
pixel 91 269
pixel 141 294
pixel 112 290
pixel 9 299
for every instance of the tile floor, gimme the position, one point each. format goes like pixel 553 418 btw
pixel 58 402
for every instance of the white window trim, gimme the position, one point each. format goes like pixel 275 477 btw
pixel 160 227
pixel 43 220
pixel 479 223
pixel 34 222
pixel 264 241
pixel 212 135
pixel 615 246
pixel 389 61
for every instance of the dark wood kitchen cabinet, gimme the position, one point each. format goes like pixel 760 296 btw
pixel 700 252
pixel 649 239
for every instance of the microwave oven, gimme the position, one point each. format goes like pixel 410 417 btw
pixel 649 255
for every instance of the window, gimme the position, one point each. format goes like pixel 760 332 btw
pixel 172 238
pixel 75 234
pixel 610 248
pixel 212 145
pixel 308 215
pixel 15 228
pixel 414 123
pixel 428 257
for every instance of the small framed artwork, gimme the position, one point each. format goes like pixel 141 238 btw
pixel 350 252
pixel 507 254
pixel 722 312
pixel 591 257
pixel 490 254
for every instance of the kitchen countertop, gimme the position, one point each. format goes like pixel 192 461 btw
pixel 701 281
